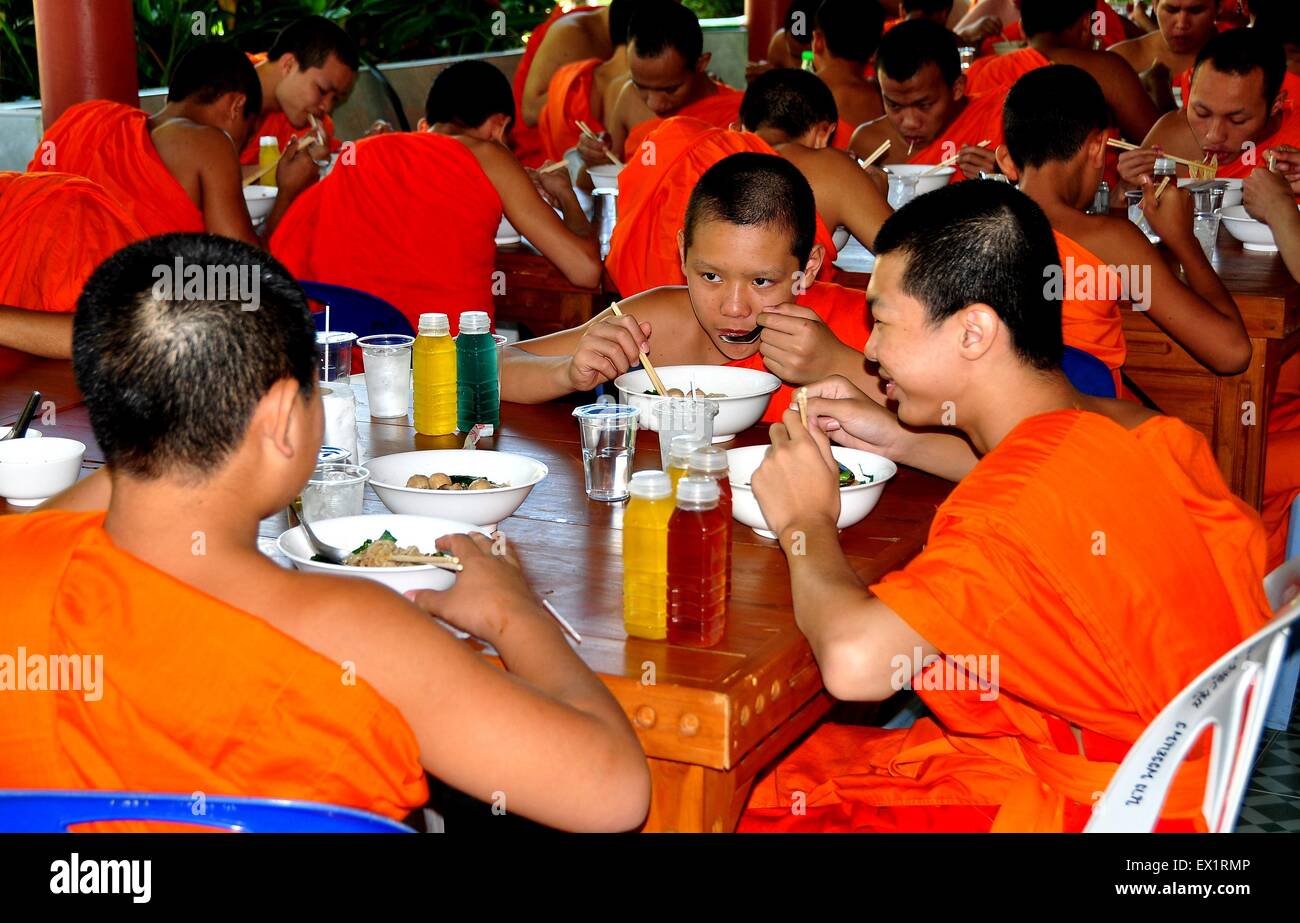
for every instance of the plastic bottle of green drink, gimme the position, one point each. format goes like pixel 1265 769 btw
pixel 478 389
pixel 435 377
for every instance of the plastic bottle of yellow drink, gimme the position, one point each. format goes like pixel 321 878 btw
pixel 435 377
pixel 268 155
pixel 679 457
pixel 645 555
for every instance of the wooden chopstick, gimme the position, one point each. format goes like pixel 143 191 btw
pixel 1164 184
pixel 568 629
pixel 551 168
pixel 250 180
pixel 439 562
pixel 586 130
pixel 876 154
pixel 801 398
pixel 949 161
pixel 645 361
pixel 1191 165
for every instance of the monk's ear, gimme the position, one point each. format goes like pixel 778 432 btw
pixel 497 125
pixel 819 43
pixel 422 125
pixel 1097 149
pixel 681 249
pixel 1006 164
pixel 702 65
pixel 822 133
pixel 816 257
pixel 959 88
pixel 980 326
pixel 288 63
pixel 276 418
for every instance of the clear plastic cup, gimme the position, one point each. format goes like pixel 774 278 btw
pixel 608 441
pixel 340 410
pixel 967 55
pixel 1207 209
pixel 683 417
pixel 334 354
pixel 388 373
pixel 334 491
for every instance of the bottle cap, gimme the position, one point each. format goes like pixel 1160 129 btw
pixel 699 493
pixel 681 449
pixel 269 141
pixel 710 460
pixel 651 485
pixel 475 322
pixel 434 325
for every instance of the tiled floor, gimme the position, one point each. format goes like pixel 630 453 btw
pixel 1273 797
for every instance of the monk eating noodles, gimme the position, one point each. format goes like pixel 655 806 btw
pixel 583 91
pixel 845 39
pixel 1164 58
pixel 230 675
pixel 1234 115
pixel 453 178
pixel 309 69
pixel 1058 153
pixel 669 76
pixel 750 261
pixel 786 112
pixel 1045 622
pixel 178 170
pixel 929 116
pixel 54 230
pixel 1061 32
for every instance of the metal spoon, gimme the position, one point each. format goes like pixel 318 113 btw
pixel 19 429
pixel 742 339
pixel 329 552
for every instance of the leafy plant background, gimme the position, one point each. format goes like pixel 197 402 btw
pixel 386 30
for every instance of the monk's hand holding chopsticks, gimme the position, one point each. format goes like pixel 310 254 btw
pixel 1268 197
pixel 610 347
pixel 1170 214
pixel 853 419
pixel 1136 162
pixel 1285 160
pixel 594 148
pixel 798 347
pixel 296 170
pixel 975 159
pixel 798 484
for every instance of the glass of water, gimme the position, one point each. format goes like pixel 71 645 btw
pixel 388 373
pixel 334 491
pixel 1207 210
pixel 608 440
pixel 682 417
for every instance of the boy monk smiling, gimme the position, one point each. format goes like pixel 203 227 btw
pixel 227 674
pixel 748 253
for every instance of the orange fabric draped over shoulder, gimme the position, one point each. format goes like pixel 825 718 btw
pixel 110 144
pixel 413 221
pixel 1040 633
pixel 998 73
pixel 191 694
pixel 981 120
pixel 843 135
pixel 844 310
pixel 525 140
pixel 720 109
pixel 1090 320
pixel 1282 463
pixel 568 102
pixel 55 229
pixel 278 125
pixel 652 202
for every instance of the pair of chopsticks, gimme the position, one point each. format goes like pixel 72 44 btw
pixel 1196 169
pixel 949 161
pixel 645 361
pixel 551 168
pixel 876 155
pixel 588 133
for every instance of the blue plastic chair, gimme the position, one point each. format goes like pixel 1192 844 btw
pixel 1279 710
pixel 355 311
pixel 56 811
pixel 1088 373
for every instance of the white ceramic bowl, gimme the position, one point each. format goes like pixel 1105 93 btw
pixel 351 531
pixel 924 184
pixel 855 502
pixel 1231 196
pixel 388 476
pixel 33 470
pixel 1254 235
pixel 506 233
pixel 604 177
pixel 748 392
pixel 260 200
pixel 840 237
pixel 32 432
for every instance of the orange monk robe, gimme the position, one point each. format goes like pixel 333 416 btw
pixel 652 201
pixel 843 135
pixel 1097 641
pixel 1000 72
pixel 436 252
pixel 844 310
pixel 1090 320
pixel 55 229
pixel 110 144
pixel 1282 462
pixel 1288 133
pixel 277 124
pixel 526 141
pixel 192 694
pixel 720 109
pixel 980 121
pixel 568 102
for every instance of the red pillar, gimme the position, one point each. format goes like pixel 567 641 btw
pixel 85 49
pixel 763 18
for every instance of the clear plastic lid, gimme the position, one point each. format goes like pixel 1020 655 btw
pixel 269 141
pixel 710 460
pixel 651 485
pixel 475 322
pixel 697 493
pixel 681 449
pixel 435 325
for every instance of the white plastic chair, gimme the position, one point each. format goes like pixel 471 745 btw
pixel 1231 697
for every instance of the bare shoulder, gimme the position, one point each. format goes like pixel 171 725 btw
pixel 191 142
pixel 1137 52
pixel 1170 127
pixel 1116 240
pixel 870 135
pixel 660 306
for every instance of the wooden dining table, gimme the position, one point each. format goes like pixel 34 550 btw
pixel 710 720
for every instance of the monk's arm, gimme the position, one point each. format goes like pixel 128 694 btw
pixel 221 187
pixel 1134 110
pixel 627 113
pixel 1287 233
pixel 861 206
pixel 41 333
